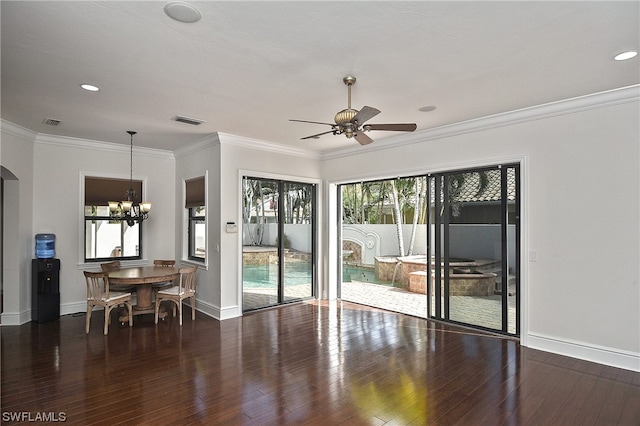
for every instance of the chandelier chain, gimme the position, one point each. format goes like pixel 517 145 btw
pixel 130 211
pixel 131 192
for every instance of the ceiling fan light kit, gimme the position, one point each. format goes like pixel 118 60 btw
pixel 345 116
pixel 350 122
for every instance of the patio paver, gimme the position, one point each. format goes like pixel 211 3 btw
pixel 473 310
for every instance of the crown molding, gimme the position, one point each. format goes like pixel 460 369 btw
pixel 17 131
pixel 539 112
pixel 220 138
pixel 76 143
pixel 197 146
pixel 575 105
pixel 256 144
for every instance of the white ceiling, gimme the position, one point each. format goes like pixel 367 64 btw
pixel 246 68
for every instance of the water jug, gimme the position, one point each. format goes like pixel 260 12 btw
pixel 45 246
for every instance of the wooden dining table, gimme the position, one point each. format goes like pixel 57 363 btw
pixel 143 277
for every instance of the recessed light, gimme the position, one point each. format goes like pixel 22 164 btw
pixel 90 87
pixel 181 11
pixel 625 55
pixel 427 108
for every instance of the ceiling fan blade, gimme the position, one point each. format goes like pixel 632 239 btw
pixel 366 113
pixel 362 138
pixel 397 127
pixel 317 135
pixel 314 122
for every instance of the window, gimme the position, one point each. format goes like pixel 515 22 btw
pixel 105 238
pixel 197 233
pixel 197 215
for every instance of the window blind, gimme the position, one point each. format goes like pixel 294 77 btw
pixel 194 192
pixel 99 191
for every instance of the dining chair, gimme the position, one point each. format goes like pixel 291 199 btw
pixel 99 294
pixel 110 266
pixel 114 266
pixel 186 289
pixel 164 264
pixel 167 263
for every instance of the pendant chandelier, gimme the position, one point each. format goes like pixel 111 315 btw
pixel 129 210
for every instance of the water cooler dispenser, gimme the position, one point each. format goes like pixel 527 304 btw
pixel 45 281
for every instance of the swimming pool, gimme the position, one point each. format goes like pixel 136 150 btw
pixel 362 274
pixel 296 273
pixel 266 276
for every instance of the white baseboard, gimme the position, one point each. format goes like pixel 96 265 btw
pixel 230 312
pixel 73 308
pixel 19 318
pixel 15 318
pixel 216 312
pixel 588 352
pixel 603 355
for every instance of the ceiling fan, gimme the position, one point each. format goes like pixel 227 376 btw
pixel 350 122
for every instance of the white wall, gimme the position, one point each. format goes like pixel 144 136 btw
pixel 58 168
pixel 298 235
pixel 469 241
pixel 201 159
pixel 581 296
pixel 241 156
pixel 16 156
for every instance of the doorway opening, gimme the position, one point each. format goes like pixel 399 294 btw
pixel 443 246
pixel 278 249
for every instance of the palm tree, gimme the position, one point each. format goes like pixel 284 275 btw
pixel 397 216
pixel 298 203
pixel 383 194
pixel 420 193
pixel 364 202
pixel 254 200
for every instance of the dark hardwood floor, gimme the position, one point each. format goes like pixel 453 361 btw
pixel 311 363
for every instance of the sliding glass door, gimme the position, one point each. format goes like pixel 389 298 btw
pixel 297 240
pixel 475 248
pixel 278 242
pixel 444 246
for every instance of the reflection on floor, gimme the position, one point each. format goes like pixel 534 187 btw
pixel 256 298
pixel 480 311
pixel 315 363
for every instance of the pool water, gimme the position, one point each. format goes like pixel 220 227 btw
pixel 266 276
pixel 362 274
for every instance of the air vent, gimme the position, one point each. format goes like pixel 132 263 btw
pixel 187 120
pixel 51 121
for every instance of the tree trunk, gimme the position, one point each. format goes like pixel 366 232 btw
pixel 417 208
pixel 260 219
pixel 398 215
pixel 246 214
pixel 382 194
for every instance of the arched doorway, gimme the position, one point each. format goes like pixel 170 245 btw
pixel 9 193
